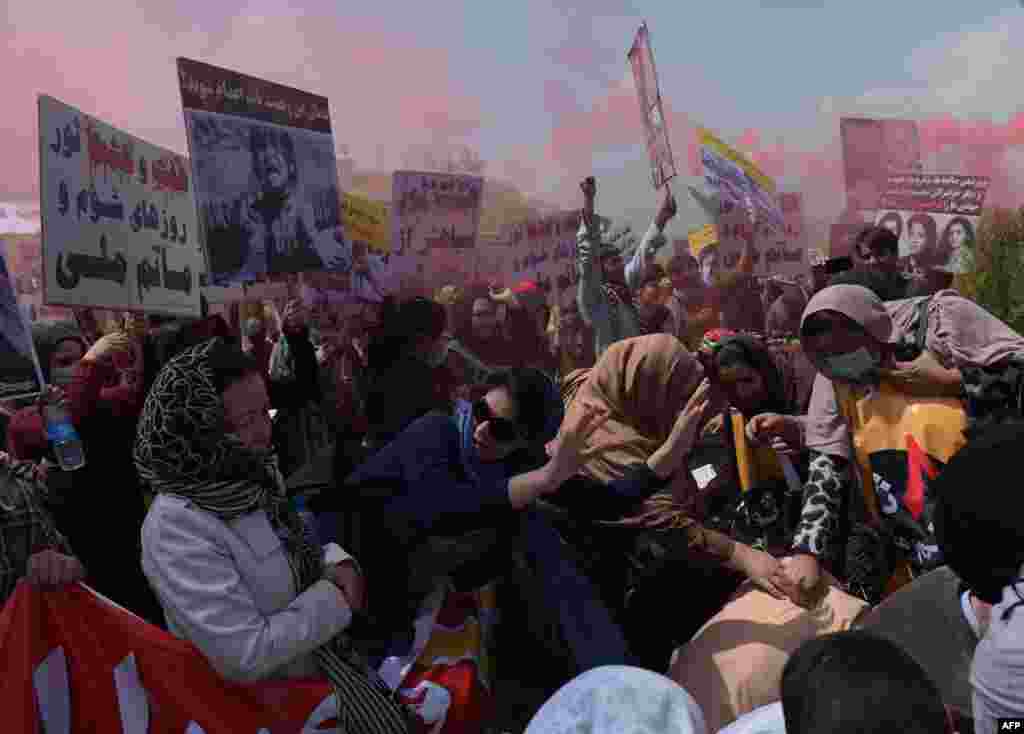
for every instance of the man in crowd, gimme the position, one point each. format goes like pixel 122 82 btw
pixel 786 309
pixel 819 277
pixel 526 322
pixel 684 272
pixel 605 288
pixel 879 248
pixel 485 338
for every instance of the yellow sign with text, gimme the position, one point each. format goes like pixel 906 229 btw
pixel 708 140
pixel 703 237
pixel 367 221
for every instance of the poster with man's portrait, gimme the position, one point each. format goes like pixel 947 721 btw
pixel 266 176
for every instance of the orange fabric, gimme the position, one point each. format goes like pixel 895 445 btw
pixel 756 464
pixel 886 422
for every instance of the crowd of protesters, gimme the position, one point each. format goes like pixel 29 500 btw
pixel 285 502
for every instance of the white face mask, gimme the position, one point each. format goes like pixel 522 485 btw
pixel 857 367
pixel 62 376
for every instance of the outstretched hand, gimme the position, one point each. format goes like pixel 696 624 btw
pixel 567 451
pixel 799 577
pixel 684 431
pixel 762 569
pixel 783 433
pixel 108 345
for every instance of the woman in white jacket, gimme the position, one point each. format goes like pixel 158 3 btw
pixel 234 567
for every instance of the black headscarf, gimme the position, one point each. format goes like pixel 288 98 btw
pixel 183 449
pixel 48 335
pixel 979 517
pixel 779 388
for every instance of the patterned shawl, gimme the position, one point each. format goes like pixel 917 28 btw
pixel 182 448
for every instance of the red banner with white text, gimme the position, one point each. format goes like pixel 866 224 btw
pixel 72 662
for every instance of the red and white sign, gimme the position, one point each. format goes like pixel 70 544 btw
pixel 645 77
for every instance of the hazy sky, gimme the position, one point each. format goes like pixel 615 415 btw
pixel 542 89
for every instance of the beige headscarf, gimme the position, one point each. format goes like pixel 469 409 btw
pixel 643 383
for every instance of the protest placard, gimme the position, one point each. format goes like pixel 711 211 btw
pixel 934 241
pixel 652 115
pixel 872 150
pixel 18 220
pixel 777 251
pixel 934 216
pixel 936 193
pixel 544 247
pixel 738 181
pixel 703 237
pixel 367 221
pixel 435 211
pixel 842 239
pixel 119 219
pixel 431 212
pixel 266 177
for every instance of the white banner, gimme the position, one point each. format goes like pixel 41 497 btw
pixel 435 218
pixel 777 251
pixel 119 218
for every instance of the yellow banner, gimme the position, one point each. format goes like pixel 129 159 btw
pixel 367 221
pixel 708 140
pixel 703 237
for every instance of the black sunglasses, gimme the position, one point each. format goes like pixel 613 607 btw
pixel 503 430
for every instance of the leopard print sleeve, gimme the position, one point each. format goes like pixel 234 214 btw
pixel 817 529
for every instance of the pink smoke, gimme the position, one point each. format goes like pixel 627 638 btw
pixel 985 148
pixel 387 89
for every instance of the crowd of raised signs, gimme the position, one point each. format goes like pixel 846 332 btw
pixel 707 502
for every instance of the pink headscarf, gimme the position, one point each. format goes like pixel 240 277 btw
pixel 960 334
pixel 857 304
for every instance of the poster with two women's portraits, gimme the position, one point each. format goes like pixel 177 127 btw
pixel 934 216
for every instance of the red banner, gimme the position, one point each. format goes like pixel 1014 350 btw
pixel 70 661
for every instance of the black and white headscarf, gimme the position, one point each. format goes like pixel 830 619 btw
pixel 183 449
